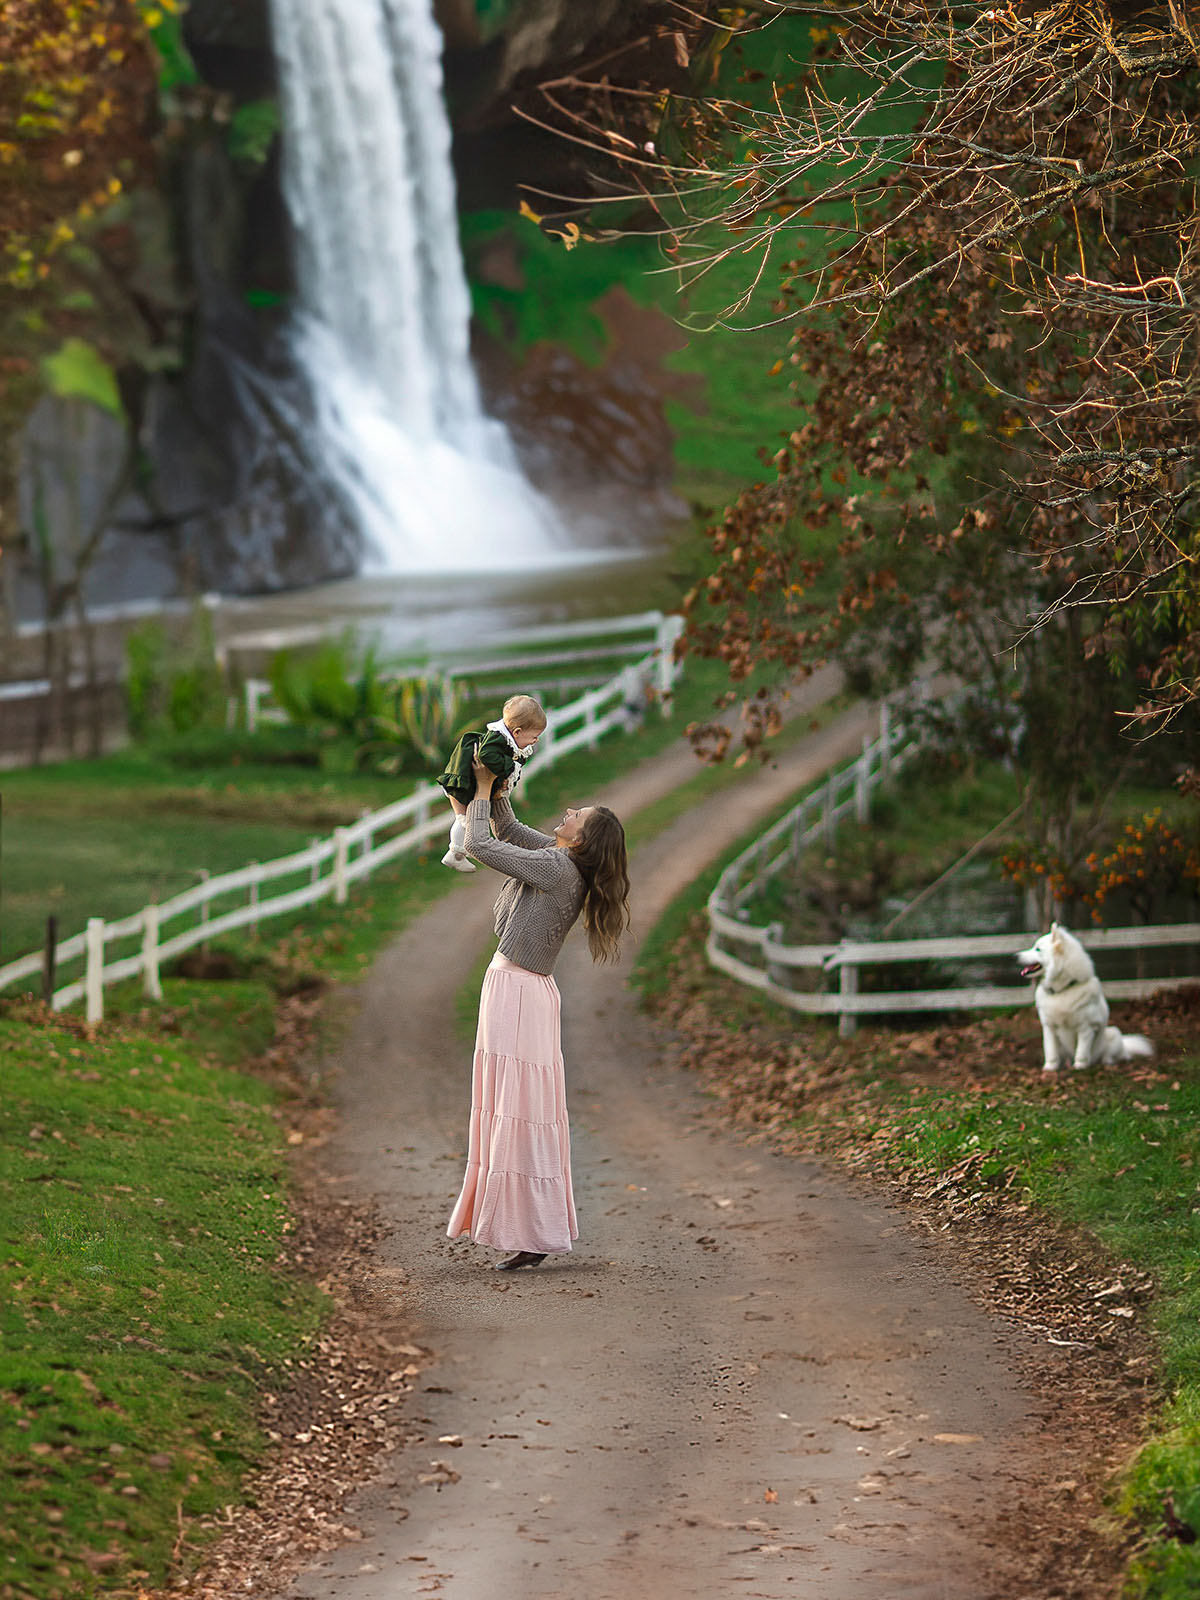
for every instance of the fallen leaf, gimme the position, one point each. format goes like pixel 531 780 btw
pixel 770 1497
pixel 958 1438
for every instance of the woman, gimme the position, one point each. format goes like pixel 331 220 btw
pixel 517 1191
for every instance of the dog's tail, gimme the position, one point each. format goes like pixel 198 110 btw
pixel 1135 1044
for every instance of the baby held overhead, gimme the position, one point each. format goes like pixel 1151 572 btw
pixel 503 746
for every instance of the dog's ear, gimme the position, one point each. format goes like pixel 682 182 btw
pixel 1056 936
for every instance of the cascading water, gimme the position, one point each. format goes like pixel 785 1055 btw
pixel 382 322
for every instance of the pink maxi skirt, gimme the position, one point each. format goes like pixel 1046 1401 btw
pixel 517 1191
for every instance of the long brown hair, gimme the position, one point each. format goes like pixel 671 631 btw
pixel 599 853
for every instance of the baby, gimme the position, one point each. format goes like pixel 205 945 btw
pixel 504 747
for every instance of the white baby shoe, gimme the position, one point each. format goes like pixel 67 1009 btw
pixel 456 859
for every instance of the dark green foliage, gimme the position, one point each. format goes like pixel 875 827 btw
pixel 145 667
pixel 174 682
pixel 388 723
pixel 253 129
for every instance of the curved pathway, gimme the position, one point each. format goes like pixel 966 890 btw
pixel 746 1380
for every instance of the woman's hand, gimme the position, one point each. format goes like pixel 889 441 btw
pixel 484 777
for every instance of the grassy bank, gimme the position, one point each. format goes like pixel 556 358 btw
pixel 146 1295
pixel 958 1118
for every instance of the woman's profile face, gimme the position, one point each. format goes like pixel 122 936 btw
pixel 573 822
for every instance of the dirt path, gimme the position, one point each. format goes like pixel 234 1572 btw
pixel 745 1381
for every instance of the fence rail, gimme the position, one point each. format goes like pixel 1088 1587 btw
pixel 755 954
pixel 349 855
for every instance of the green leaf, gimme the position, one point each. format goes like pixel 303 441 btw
pixel 77 371
pixel 252 132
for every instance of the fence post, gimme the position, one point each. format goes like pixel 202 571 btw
pixel 368 842
pixel 50 959
pixel 830 806
pixel 589 722
pixel 212 604
pixel 862 790
pixel 254 903
pixel 340 852
pixel 93 979
pixel 314 868
pixel 632 698
pixel 885 741
pixel 847 986
pixel 204 875
pixel 251 693
pixel 424 808
pixel 800 825
pixel 151 981
pixel 667 632
pixel 773 935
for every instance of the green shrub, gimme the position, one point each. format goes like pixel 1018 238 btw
pixel 420 729
pixel 145 674
pixel 388 723
pixel 174 684
pixel 332 688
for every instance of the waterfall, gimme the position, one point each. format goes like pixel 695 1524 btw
pixel 382 321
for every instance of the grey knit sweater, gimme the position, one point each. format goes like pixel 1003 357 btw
pixel 545 889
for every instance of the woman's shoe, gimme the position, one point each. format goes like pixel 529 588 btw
pixel 523 1258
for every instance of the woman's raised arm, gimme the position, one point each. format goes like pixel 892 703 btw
pixel 539 866
pixel 514 832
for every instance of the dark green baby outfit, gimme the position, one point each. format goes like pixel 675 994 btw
pixel 495 752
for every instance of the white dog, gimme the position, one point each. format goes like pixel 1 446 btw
pixel 1071 1006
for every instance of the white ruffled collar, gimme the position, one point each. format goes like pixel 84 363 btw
pixel 502 727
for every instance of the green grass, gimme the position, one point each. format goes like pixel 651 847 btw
pixel 145 1197
pixel 734 405
pixel 101 838
pixel 652 970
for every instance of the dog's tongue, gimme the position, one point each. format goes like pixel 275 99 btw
pixel 1032 970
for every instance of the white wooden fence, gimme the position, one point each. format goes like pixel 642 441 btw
pixel 798 975
pixel 329 867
